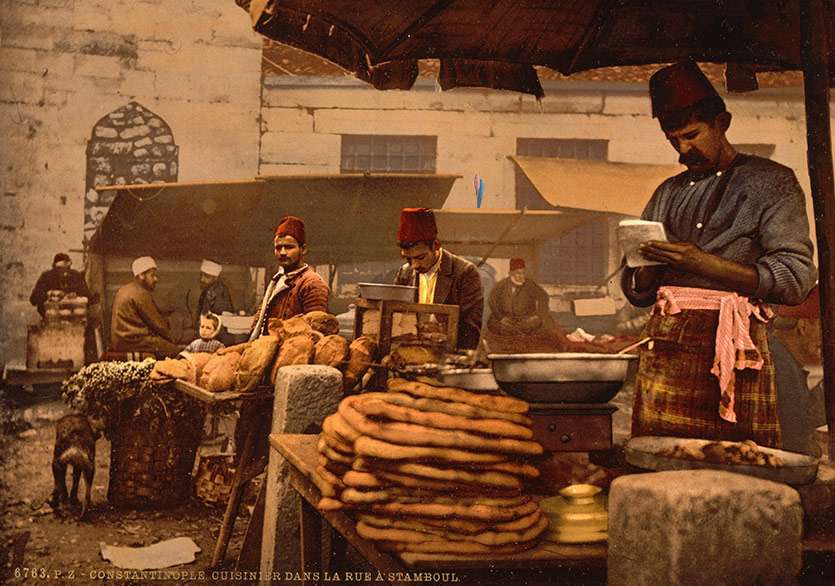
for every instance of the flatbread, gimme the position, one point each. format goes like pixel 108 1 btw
pixel 420 435
pixel 374 405
pixel 492 402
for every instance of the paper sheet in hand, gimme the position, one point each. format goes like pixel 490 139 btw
pixel 632 232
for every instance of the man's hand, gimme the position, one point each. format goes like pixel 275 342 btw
pixel 690 258
pixel 684 256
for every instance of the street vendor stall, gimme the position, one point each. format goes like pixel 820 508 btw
pixel 231 223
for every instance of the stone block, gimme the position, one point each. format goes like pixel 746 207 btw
pixel 703 528
pixel 304 396
pixel 283 147
pixel 286 120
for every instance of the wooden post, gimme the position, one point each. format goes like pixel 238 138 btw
pixel 814 53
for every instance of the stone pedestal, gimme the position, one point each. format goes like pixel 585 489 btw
pixel 703 527
pixel 304 396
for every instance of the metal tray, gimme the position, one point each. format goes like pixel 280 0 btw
pixel 643 453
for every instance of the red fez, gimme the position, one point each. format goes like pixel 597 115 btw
pixel 516 264
pixel 677 87
pixel 417 225
pixel 291 226
pixel 61 256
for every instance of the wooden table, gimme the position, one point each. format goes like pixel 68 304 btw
pixel 300 451
pixel 256 416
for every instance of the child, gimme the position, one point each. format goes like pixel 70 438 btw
pixel 209 329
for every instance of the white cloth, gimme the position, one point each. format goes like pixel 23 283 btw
pixel 142 264
pixel 210 268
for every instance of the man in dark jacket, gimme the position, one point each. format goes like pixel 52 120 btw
pixel 59 278
pixel 518 306
pixel 214 294
pixel 439 275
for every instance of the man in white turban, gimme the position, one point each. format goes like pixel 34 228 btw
pixel 136 324
pixel 214 294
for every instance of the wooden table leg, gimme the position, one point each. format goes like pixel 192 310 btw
pixel 310 524
pixel 235 495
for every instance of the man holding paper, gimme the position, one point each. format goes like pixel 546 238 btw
pixel 737 238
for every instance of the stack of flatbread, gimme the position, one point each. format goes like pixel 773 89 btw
pixel 432 469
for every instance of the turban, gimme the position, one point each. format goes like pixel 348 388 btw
pixel 516 264
pixel 416 225
pixel 676 87
pixel 291 226
pixel 142 264
pixel 210 268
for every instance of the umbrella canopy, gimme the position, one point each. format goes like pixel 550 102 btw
pixel 348 218
pixel 497 44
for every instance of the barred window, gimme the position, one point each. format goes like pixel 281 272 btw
pixel 363 153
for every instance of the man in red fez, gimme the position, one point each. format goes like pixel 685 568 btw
pixel 518 306
pixel 439 275
pixel 61 280
pixel 296 288
pixel 738 238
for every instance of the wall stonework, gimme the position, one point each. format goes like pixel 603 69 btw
pixel 66 64
pixel 129 146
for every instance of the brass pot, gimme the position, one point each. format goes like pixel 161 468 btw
pixel 578 515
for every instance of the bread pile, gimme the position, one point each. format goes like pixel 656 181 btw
pixel 311 338
pixel 432 469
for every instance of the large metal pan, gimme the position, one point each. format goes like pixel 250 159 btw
pixel 642 452
pixel 564 377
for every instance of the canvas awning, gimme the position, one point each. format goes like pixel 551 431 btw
pixel 504 233
pixel 603 186
pixel 348 218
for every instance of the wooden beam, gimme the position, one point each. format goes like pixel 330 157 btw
pixel 814 53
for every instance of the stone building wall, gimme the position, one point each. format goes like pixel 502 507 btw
pixel 66 66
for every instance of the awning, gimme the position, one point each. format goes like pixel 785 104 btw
pixel 621 188
pixel 348 218
pixel 504 233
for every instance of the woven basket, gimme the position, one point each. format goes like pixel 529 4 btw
pixel 213 481
pixel 151 461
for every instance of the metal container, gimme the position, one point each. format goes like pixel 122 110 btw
pixel 470 379
pixel 642 452
pixel 566 377
pixel 578 515
pixel 381 291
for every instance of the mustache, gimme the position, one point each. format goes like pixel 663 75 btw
pixel 691 159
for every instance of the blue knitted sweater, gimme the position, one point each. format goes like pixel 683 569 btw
pixel 760 220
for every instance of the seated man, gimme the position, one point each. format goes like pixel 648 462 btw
pixel 136 324
pixel 517 304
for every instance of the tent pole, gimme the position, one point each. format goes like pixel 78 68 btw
pixel 814 45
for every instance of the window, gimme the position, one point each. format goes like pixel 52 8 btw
pixel 580 256
pixel 363 153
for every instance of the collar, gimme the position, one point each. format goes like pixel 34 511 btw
pixel 291 274
pixel 433 270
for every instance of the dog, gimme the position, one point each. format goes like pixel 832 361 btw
pixel 75 445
